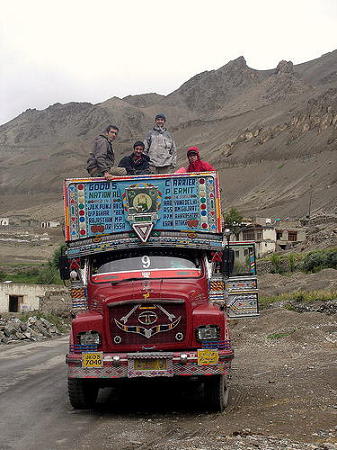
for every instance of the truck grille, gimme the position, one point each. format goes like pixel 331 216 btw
pixel 144 323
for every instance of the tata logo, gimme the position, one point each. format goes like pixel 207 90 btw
pixel 147 318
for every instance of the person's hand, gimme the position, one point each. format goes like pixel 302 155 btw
pixel 108 176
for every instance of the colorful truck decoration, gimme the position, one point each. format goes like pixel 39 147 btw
pixel 152 282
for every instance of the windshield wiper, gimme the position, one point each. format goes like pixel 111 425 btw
pixel 127 279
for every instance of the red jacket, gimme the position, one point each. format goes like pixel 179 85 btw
pixel 199 165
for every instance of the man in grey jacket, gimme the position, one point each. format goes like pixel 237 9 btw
pixel 102 158
pixel 160 147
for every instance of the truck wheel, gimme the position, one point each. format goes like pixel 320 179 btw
pixel 216 392
pixel 82 393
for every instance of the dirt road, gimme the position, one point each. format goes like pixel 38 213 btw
pixel 284 386
pixel 283 396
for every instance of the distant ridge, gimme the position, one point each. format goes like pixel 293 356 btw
pixel 272 134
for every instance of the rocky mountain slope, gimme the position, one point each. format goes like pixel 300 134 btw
pixel 271 133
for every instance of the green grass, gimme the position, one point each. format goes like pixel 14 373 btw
pixel 34 273
pixel 298 296
pixel 38 274
pixel 275 336
pixel 309 262
pixel 15 264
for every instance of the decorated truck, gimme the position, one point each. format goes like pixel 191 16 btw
pixel 152 282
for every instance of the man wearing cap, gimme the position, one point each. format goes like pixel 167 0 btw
pixel 102 158
pixel 137 163
pixel 160 147
pixel 195 163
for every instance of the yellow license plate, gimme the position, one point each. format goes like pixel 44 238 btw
pixel 207 357
pixel 92 359
pixel 150 364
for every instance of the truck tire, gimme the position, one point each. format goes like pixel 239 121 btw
pixel 82 393
pixel 216 391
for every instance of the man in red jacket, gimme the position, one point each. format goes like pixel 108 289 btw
pixel 195 163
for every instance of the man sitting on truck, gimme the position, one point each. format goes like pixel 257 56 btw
pixel 102 158
pixel 137 163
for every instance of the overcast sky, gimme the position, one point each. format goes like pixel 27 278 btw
pixel 82 50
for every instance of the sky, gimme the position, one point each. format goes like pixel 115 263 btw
pixel 88 51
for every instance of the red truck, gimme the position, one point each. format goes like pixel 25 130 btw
pixel 152 282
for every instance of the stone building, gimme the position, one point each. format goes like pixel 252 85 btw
pixel 264 237
pixel 21 297
pixel 271 235
pixel 288 235
pixel 50 224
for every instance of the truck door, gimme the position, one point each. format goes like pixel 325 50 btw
pixel 241 285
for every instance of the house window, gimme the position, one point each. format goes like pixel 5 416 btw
pixel 259 235
pixel 237 254
pixel 279 235
pixel 292 236
pixel 248 235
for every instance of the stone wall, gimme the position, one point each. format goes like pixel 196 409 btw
pixel 56 301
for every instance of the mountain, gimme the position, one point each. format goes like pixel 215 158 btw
pixel 272 134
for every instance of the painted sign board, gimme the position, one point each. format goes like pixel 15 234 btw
pixel 175 202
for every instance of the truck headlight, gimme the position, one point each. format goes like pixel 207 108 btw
pixel 89 338
pixel 208 333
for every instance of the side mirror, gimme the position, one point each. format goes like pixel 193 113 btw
pixel 64 268
pixel 227 261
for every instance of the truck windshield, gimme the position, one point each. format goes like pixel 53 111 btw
pixel 149 263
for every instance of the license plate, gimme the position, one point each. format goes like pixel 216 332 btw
pixel 207 357
pixel 92 359
pixel 150 364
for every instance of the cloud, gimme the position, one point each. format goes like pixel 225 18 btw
pixel 83 51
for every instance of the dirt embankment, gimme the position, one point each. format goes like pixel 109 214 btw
pixel 275 284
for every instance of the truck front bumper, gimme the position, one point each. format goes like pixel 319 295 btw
pixel 126 365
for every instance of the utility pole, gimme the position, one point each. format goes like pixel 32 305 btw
pixel 310 199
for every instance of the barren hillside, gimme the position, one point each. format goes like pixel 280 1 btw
pixel 272 134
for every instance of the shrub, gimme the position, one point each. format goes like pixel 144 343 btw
pixel 276 263
pixel 48 275
pixel 315 261
pixel 55 260
pixel 332 259
pixel 291 262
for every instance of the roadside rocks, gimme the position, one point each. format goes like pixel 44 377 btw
pixel 247 440
pixel 328 307
pixel 14 330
